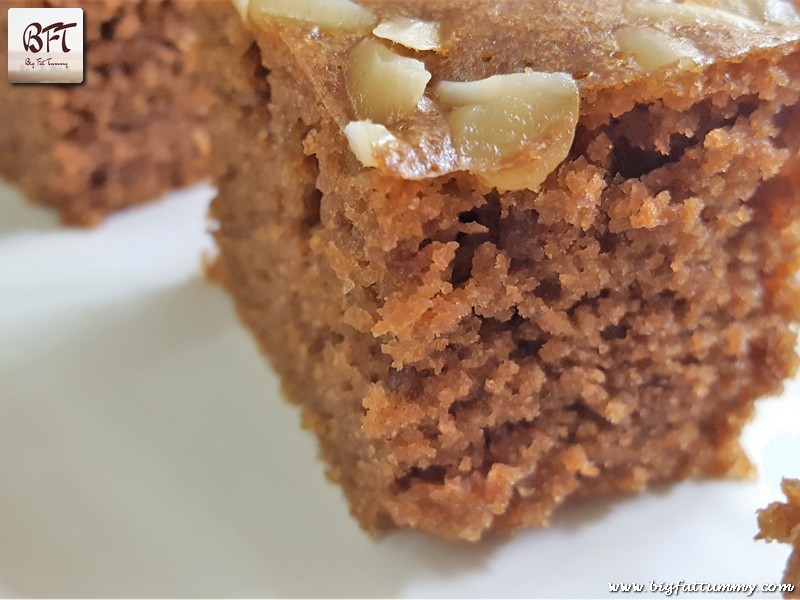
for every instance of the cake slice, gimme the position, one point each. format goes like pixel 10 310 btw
pixel 133 130
pixel 781 522
pixel 508 253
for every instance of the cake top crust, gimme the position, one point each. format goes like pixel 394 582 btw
pixel 349 51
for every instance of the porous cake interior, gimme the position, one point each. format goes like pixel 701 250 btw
pixel 469 359
pixel 132 131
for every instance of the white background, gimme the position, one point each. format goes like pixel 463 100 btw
pixel 145 450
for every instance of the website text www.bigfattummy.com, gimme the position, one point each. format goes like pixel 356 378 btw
pixel 693 587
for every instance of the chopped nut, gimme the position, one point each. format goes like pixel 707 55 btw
pixel 773 11
pixel 512 130
pixel 242 6
pixel 690 13
pixel 383 85
pixel 411 33
pixel 753 9
pixel 366 139
pixel 653 49
pixel 780 11
pixel 327 14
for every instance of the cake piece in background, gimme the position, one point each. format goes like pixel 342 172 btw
pixel 508 253
pixel 133 130
pixel 781 522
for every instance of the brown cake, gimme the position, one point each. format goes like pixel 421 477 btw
pixel 781 522
pixel 132 131
pixel 506 253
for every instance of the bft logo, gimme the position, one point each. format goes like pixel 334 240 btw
pixel 32 36
pixel 45 45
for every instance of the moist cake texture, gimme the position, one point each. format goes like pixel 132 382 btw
pixel 131 132
pixel 781 522
pixel 489 298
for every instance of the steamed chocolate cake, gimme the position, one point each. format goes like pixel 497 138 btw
pixel 507 253
pixel 133 130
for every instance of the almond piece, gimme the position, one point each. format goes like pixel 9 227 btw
pixel 383 85
pixel 368 140
pixel 513 130
pixel 243 7
pixel 767 11
pixel 690 13
pixel 411 33
pixel 654 50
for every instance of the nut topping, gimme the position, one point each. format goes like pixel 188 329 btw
pixel 690 13
pixel 513 130
pixel 411 33
pixel 747 14
pixel 771 11
pixel 367 139
pixel 383 85
pixel 242 6
pixel 654 50
pixel 780 11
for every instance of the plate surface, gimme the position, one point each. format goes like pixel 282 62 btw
pixel 145 451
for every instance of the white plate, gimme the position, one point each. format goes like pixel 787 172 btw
pixel 145 451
